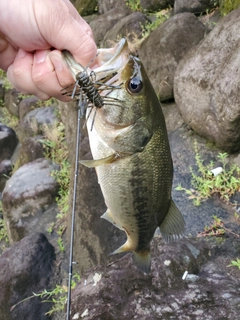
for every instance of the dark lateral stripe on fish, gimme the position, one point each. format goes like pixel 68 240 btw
pixel 141 201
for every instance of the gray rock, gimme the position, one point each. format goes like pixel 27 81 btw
pixel 194 6
pixel 26 105
pixel 206 85
pixel 166 46
pixel 8 142
pixel 106 21
pixel 126 27
pixel 106 5
pixel 26 267
pixel 32 123
pixel 120 291
pixel 29 150
pixel 156 5
pixel 12 101
pixel 28 194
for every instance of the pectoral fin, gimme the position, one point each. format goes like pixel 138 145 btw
pixel 173 225
pixel 99 162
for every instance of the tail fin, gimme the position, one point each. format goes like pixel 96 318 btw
pixel 142 260
pixel 173 225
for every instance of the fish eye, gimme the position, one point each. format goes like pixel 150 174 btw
pixel 135 85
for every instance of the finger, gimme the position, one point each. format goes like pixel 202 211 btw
pixel 68 31
pixel 50 74
pixel 7 53
pixel 64 76
pixel 20 75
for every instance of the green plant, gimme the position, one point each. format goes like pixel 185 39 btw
pixel 205 184
pixel 24 96
pixel 63 178
pixel 217 228
pixel 60 244
pixel 134 5
pixel 3 230
pixel 235 263
pixel 8 119
pixel 2 74
pixel 57 296
pixel 50 229
pixel 6 83
pixel 50 102
pixel 226 6
pixel 160 17
pixel 55 148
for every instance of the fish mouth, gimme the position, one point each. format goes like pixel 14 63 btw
pixel 109 61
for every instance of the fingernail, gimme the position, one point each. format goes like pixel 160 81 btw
pixel 21 54
pixel 40 56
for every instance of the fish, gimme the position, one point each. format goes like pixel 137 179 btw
pixel 131 153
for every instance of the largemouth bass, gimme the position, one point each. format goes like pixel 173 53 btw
pixel 131 153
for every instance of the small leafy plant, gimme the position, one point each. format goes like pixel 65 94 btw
pixel 8 119
pixel 57 296
pixel 134 5
pixel 235 263
pixel 217 228
pixel 3 230
pixel 160 17
pixel 205 184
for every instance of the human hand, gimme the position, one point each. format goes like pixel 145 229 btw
pixel 32 35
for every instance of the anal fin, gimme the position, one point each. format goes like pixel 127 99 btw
pixel 109 217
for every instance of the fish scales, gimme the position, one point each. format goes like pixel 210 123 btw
pixel 132 157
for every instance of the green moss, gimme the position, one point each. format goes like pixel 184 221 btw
pixel 7 118
pixel 3 230
pixel 226 6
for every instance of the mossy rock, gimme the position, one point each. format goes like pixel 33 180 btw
pixel 85 7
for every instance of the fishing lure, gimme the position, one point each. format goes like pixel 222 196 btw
pixel 85 82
